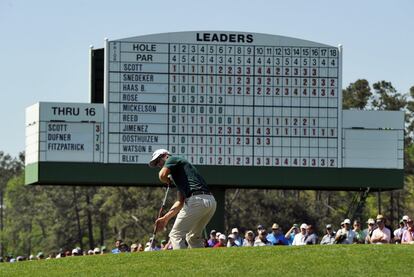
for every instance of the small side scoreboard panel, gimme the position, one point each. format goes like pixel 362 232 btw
pixel 224 99
pixel 64 132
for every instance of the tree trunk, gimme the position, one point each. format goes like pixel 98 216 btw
pixel 392 204
pixel 90 225
pixel 102 229
pixel 1 222
pixel 75 201
pixel 379 202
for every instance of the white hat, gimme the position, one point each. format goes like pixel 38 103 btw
pixel 232 236
pixel 222 236
pixel 371 221
pixel 75 251
pixel 405 217
pixel 234 230
pixel 157 153
pixel 97 250
pixel 347 221
pixel 303 226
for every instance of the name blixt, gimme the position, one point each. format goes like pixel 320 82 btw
pixel 217 37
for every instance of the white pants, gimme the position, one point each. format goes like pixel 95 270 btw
pixel 191 221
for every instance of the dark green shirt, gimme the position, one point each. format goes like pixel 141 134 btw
pixel 186 176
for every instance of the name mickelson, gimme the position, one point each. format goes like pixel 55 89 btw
pixel 224 37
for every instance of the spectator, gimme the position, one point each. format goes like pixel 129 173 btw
pixel 290 235
pixel 40 256
pixel 221 241
pixel 389 227
pixel 231 242
pixel 359 234
pixel 123 247
pixel 134 247
pixel 96 251
pixel 90 252
pixel 149 248
pixel 405 219
pixel 68 253
pixel 259 229
pixel 116 250
pixel 237 239
pixel 369 230
pixel 213 240
pixel 329 238
pixel 408 235
pixel 277 237
pixel 345 235
pixel 248 238
pixel 261 239
pixel 300 237
pixel 76 252
pixel 166 245
pixel 103 250
pixel 399 232
pixel 61 254
pixel 311 237
pixel 382 234
pixel 31 257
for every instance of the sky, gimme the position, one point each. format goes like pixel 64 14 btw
pixel 44 44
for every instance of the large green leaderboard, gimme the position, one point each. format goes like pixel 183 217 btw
pixel 248 109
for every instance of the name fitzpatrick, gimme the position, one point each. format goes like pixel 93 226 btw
pixel 217 37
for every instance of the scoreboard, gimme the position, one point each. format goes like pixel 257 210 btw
pixel 64 132
pixel 237 105
pixel 224 99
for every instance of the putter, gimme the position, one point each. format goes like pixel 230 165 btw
pixel 152 240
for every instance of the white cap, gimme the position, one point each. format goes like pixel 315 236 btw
pixel 222 236
pixel 347 221
pixel 232 236
pixel 405 217
pixel 75 251
pixel 234 230
pixel 303 226
pixel 97 250
pixel 157 153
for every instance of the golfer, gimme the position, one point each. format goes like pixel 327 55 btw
pixel 195 204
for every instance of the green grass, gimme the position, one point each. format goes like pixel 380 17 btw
pixel 335 260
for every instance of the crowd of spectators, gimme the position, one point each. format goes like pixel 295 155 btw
pixel 376 231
